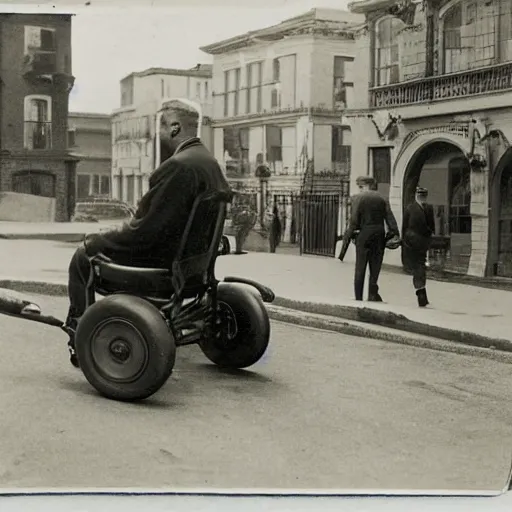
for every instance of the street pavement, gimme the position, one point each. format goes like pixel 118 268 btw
pixel 461 307
pixel 321 411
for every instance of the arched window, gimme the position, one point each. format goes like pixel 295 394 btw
pixel 387 55
pixel 476 34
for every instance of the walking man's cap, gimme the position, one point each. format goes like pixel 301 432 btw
pixel 420 191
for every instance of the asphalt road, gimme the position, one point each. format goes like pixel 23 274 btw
pixel 323 410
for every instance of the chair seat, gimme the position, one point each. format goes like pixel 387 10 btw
pixel 112 277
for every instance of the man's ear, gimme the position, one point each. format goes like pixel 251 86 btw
pixel 175 130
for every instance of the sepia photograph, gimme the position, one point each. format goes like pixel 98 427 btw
pixel 208 208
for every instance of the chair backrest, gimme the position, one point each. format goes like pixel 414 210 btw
pixel 194 264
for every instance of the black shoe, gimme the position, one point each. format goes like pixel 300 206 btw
pixel 422 298
pixel 375 298
pixel 73 358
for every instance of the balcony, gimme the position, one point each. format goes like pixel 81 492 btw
pixel 38 135
pixel 445 87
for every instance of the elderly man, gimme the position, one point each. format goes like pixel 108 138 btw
pixel 370 215
pixel 152 237
pixel 417 229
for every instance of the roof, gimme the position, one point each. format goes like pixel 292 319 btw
pixel 335 22
pixel 365 6
pixel 199 71
pixel 89 115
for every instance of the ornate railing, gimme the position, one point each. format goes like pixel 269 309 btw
pixel 437 88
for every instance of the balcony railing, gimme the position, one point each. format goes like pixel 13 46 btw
pixel 436 88
pixel 38 135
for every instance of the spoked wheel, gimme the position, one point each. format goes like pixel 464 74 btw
pixel 243 330
pixel 125 348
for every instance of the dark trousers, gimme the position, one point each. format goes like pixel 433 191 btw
pixel 369 252
pixel 417 260
pixel 78 275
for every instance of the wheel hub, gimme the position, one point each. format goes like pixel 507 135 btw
pixel 120 350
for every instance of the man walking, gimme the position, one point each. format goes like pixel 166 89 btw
pixel 417 230
pixel 370 213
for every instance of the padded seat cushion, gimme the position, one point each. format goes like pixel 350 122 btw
pixel 154 282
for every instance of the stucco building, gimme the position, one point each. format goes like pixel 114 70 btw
pixel 134 124
pixel 278 93
pixel 90 138
pixel 434 109
pixel 35 82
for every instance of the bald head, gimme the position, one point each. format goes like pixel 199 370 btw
pixel 179 122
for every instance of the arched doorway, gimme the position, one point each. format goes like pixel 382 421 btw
pixel 501 218
pixel 444 170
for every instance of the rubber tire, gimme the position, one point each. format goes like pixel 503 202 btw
pixel 153 328
pixel 253 328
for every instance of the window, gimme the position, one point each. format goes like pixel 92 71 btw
pixel 127 92
pixel 476 34
pixel 71 138
pixel 254 87
pixel 206 90
pixel 387 68
pixel 460 196
pixel 38 122
pixel 275 97
pixel 198 90
pixel 342 83
pixel 381 169
pixel 341 149
pixel 40 49
pixel 236 151
pixel 162 88
pixel 231 92
pixel 274 139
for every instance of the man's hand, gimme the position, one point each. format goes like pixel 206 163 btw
pixel 93 244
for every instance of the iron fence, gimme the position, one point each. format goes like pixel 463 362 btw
pixel 320 217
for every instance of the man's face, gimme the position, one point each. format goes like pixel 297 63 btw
pixel 422 199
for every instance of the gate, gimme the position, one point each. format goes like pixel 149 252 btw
pixel 319 214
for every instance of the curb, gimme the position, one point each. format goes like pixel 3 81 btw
pixel 387 326
pixel 395 321
pixel 327 323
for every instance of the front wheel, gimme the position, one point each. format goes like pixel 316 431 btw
pixel 243 330
pixel 125 348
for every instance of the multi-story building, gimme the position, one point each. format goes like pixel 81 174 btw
pixel 36 79
pixel 90 138
pixel 134 123
pixel 434 108
pixel 278 93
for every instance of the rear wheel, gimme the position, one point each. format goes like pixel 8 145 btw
pixel 125 348
pixel 243 331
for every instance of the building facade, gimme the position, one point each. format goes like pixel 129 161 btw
pixel 134 123
pixel 434 110
pixel 278 94
pixel 90 138
pixel 36 79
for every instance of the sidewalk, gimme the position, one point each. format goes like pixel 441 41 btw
pixel 316 285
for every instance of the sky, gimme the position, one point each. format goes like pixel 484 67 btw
pixel 109 41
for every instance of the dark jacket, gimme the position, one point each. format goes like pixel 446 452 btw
pixel 153 235
pixel 418 226
pixel 371 213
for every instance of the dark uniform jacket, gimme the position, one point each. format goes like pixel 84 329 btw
pixel 152 237
pixel 418 226
pixel 370 215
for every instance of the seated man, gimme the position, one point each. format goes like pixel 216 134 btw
pixel 152 237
